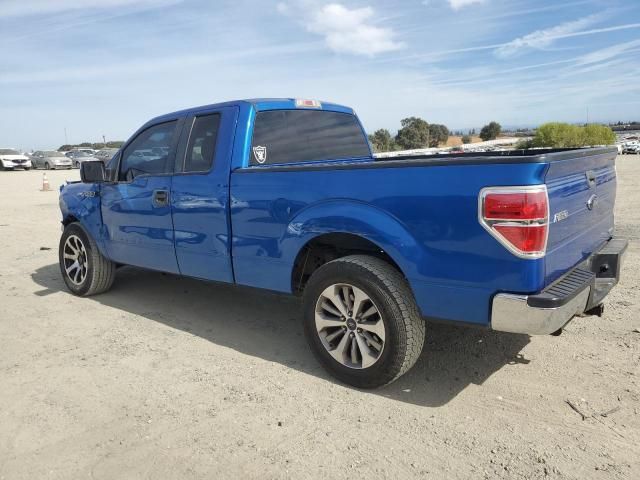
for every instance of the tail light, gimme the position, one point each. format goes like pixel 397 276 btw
pixel 518 217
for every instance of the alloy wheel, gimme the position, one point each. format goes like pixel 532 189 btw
pixel 350 326
pixel 75 260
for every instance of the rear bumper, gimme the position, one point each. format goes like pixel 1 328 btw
pixel 579 290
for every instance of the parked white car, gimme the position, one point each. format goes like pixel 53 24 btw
pixel 50 160
pixel 11 159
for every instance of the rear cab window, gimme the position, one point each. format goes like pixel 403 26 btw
pixel 295 136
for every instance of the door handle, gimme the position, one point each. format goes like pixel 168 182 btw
pixel 160 198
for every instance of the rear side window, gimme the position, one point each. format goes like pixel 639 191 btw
pixel 202 143
pixel 149 152
pixel 288 136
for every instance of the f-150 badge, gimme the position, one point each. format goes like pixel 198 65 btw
pixel 558 217
pixel 260 153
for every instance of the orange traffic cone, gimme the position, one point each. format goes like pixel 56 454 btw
pixel 45 183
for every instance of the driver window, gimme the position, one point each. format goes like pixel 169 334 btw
pixel 148 153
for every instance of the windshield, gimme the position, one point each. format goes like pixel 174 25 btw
pixel 51 153
pixel 8 151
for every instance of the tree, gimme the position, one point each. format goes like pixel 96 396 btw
pixel 413 134
pixel 466 139
pixel 564 135
pixel 594 134
pixel 382 140
pixel 95 146
pixel 437 134
pixel 490 131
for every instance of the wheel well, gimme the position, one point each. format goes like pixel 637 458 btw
pixel 69 219
pixel 328 247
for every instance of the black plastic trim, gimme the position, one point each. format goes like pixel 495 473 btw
pixel 563 290
pixel 589 273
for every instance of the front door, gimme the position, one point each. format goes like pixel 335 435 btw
pixel 136 206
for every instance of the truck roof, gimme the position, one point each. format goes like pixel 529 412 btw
pixel 260 104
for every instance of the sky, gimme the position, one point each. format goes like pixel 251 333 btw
pixel 75 70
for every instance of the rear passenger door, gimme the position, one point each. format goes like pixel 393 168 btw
pixel 200 194
pixel 136 208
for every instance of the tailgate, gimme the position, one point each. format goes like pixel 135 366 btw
pixel 582 192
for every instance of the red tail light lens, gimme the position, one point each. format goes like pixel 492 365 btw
pixel 518 217
pixel 515 206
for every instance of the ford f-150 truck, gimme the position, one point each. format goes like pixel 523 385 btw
pixel 285 195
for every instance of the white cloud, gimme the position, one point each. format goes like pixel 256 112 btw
pixel 609 52
pixel 458 4
pixel 544 38
pixel 345 30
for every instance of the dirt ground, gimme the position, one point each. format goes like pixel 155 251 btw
pixel 164 377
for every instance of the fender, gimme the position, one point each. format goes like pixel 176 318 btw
pixel 82 202
pixel 356 218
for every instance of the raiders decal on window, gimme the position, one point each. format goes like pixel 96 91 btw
pixel 260 153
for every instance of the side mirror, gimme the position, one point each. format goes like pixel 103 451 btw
pixel 92 172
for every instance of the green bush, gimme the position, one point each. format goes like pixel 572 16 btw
pixel 564 135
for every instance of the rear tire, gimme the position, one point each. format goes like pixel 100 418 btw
pixel 84 269
pixel 385 328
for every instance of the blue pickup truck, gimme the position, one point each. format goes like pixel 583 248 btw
pixel 286 195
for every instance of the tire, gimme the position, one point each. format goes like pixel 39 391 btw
pixel 47 166
pixel 76 165
pixel 94 273
pixel 27 169
pixel 392 350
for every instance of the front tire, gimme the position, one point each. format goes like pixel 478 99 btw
pixel 362 322
pixel 84 269
pixel 47 166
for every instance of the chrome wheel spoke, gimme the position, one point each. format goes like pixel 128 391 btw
pixel 354 351
pixel 340 352
pixel 360 299
pixel 332 336
pixel 331 295
pixel 369 357
pixel 323 321
pixel 372 341
pixel 74 266
pixel 376 327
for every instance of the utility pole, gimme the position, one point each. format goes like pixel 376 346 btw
pixel 104 141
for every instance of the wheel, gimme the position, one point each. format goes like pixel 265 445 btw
pixel 361 321
pixel 27 168
pixel 85 271
pixel 76 165
pixel 47 166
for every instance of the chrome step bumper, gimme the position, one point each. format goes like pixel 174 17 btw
pixel 577 291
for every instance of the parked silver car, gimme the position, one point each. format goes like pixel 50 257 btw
pixel 79 156
pixel 106 154
pixel 50 159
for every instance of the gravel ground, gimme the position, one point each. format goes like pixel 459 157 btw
pixel 164 377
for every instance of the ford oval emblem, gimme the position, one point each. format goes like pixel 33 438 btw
pixel 593 199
